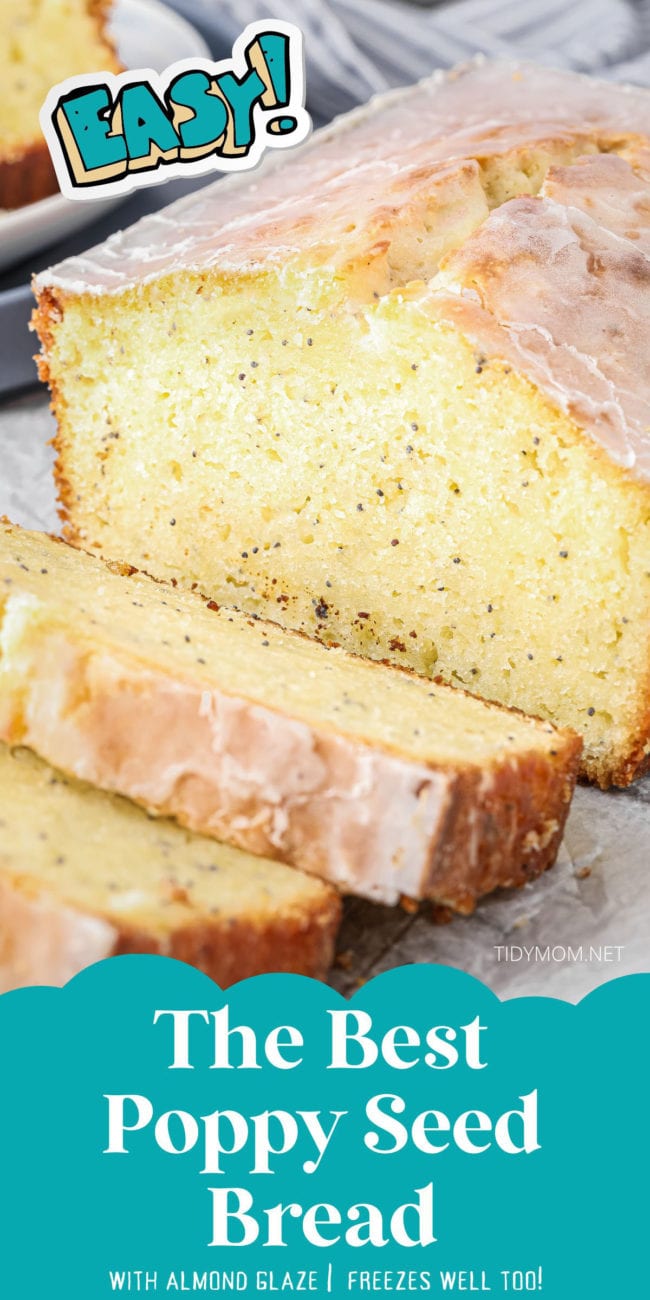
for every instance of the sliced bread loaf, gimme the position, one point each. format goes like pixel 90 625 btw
pixel 394 393
pixel 86 875
pixel 369 776
pixel 41 43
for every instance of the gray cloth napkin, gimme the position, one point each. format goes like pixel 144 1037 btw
pixel 357 47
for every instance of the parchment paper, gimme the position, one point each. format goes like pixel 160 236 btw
pixel 586 921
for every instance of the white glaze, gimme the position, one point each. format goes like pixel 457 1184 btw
pixel 560 286
pixel 355 171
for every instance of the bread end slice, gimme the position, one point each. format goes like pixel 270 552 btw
pixel 85 875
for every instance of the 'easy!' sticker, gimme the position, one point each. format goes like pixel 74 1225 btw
pixel 109 134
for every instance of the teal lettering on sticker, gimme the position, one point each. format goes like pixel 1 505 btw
pixel 119 133
pixel 241 96
pixel 275 49
pixel 145 125
pixel 210 120
pixel 251 1139
pixel 91 131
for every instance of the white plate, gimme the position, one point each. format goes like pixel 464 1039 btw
pixel 147 35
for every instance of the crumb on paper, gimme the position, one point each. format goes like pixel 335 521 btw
pixel 441 915
pixel 345 959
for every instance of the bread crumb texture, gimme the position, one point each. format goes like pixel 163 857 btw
pixel 86 875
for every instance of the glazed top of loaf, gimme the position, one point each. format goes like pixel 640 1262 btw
pixel 559 285
pixel 574 315
pixel 325 194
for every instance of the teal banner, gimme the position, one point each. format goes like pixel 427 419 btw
pixel 161 1135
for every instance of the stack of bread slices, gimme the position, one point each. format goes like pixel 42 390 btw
pixel 290 770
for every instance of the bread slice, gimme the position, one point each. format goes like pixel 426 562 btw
pixel 278 394
pixel 370 777
pixel 86 875
pixel 41 43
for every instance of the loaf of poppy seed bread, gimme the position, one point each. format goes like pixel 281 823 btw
pixel 394 392
pixel 41 43
pixel 369 776
pixel 86 875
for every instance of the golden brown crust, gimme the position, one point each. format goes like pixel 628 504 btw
pixel 516 822
pixel 45 940
pixel 28 177
pixel 45 317
pixel 635 761
pixel 233 950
